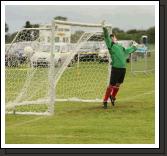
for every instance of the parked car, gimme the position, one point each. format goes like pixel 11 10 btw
pixel 141 52
pixel 12 57
pixel 103 55
pixel 11 60
pixel 42 57
pixel 15 54
pixel 88 52
pixel 21 55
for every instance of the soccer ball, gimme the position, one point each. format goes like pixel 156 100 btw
pixel 28 51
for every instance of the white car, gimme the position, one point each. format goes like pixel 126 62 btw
pixel 103 54
pixel 44 59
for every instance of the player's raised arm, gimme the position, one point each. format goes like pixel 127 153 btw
pixel 107 37
pixel 132 48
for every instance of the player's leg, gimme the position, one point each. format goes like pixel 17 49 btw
pixel 115 89
pixel 114 93
pixel 109 88
pixel 107 95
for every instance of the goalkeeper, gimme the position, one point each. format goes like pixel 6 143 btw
pixel 118 56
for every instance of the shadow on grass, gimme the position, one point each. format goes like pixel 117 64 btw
pixel 77 108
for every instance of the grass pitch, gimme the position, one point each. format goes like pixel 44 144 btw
pixel 131 121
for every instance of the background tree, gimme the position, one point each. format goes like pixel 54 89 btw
pixel 6 27
pixel 7 36
pixel 76 36
pixel 151 35
pixel 61 18
pixel 117 30
pixel 29 35
pixel 134 34
pixel 132 31
pixel 28 24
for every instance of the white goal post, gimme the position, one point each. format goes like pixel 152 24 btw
pixel 61 61
pixel 142 62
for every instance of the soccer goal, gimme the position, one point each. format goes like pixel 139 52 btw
pixel 62 61
pixel 143 60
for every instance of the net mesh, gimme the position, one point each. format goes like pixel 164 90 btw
pixel 81 65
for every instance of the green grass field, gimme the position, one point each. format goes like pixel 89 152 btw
pixel 131 121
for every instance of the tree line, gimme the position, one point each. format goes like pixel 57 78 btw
pixel 132 34
pixel 135 34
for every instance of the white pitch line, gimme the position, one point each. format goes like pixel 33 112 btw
pixel 127 99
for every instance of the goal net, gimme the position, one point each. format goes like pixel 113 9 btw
pixel 143 60
pixel 63 61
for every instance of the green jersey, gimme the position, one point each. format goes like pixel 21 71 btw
pixel 117 52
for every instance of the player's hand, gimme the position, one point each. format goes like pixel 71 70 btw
pixel 134 44
pixel 103 23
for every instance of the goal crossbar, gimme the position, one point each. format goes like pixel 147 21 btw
pixel 79 24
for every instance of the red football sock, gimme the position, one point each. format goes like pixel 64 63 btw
pixel 114 91
pixel 108 93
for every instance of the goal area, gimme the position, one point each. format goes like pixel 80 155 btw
pixel 61 61
pixel 143 61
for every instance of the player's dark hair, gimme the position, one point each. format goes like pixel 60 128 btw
pixel 112 35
